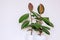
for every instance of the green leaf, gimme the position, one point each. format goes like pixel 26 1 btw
pixel 23 17
pixel 46 27
pixel 37 25
pixel 35 14
pixel 39 19
pixel 46 18
pixel 45 30
pixel 33 27
pixel 25 24
pixel 47 22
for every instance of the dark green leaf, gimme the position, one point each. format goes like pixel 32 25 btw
pixel 22 18
pixel 33 27
pixel 35 14
pixel 47 22
pixel 45 30
pixel 46 18
pixel 37 25
pixel 39 19
pixel 46 27
pixel 25 24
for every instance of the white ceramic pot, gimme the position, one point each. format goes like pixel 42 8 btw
pixel 28 36
pixel 35 37
pixel 38 37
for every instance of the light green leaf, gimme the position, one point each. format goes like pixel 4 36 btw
pixel 23 17
pixel 25 24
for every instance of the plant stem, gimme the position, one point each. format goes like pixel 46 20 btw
pixel 31 22
pixel 40 30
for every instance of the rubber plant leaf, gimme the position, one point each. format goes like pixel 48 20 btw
pixel 46 27
pixel 25 24
pixel 33 27
pixel 47 22
pixel 40 9
pixel 35 14
pixel 46 18
pixel 41 18
pixel 37 25
pixel 45 30
pixel 23 17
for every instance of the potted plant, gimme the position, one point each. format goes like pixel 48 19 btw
pixel 37 25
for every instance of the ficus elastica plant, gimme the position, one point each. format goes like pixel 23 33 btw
pixel 37 26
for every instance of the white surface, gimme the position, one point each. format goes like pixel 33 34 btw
pixel 11 10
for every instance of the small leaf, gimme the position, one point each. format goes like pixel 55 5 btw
pixel 40 9
pixel 24 17
pixel 39 19
pixel 47 22
pixel 35 14
pixel 25 24
pixel 46 27
pixel 30 7
pixel 45 30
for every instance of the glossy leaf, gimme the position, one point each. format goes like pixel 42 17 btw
pixel 33 27
pixel 25 24
pixel 40 9
pixel 46 27
pixel 46 18
pixel 37 25
pixel 30 7
pixel 47 22
pixel 45 30
pixel 35 14
pixel 24 17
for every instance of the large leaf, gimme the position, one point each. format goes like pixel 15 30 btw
pixel 22 18
pixel 46 27
pixel 46 18
pixel 45 30
pixel 25 24
pixel 37 25
pixel 47 22
pixel 33 27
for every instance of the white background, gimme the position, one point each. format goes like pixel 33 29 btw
pixel 11 10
